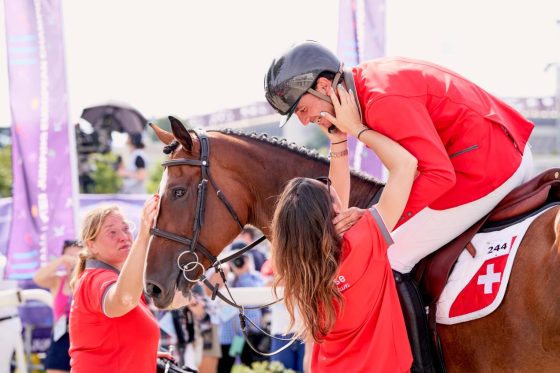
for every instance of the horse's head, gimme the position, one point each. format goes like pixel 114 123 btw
pixel 192 193
pixel 208 194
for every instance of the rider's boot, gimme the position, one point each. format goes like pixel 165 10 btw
pixel 416 323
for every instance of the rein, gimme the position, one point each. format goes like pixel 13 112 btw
pixel 193 245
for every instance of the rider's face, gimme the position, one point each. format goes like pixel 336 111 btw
pixel 310 107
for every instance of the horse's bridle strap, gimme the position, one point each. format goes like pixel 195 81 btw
pixel 242 251
pixel 185 241
pixel 184 161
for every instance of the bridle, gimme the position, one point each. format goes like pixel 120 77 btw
pixel 193 246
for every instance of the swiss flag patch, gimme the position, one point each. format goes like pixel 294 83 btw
pixel 477 286
pixel 483 288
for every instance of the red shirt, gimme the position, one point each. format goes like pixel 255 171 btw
pixel 467 141
pixel 99 343
pixel 369 335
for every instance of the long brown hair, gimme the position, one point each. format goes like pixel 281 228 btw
pixel 306 254
pixel 90 230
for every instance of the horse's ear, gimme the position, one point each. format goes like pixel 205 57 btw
pixel 163 136
pixel 181 133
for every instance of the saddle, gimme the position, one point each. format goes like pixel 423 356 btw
pixel 433 272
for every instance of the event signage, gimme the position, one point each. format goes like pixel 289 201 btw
pixel 361 37
pixel 43 147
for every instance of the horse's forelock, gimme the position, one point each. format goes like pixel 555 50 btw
pixel 171 147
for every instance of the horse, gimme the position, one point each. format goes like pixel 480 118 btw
pixel 246 174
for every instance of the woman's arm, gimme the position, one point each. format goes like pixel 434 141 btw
pixel 402 169
pixel 124 296
pixel 46 276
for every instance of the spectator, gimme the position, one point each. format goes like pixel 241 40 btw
pixel 247 235
pixel 231 338
pixel 292 357
pixel 58 359
pixel 209 329
pixel 111 327
pixel 10 325
pixel 134 172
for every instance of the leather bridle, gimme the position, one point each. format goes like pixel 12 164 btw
pixel 193 246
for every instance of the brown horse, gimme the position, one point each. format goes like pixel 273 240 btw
pixel 522 335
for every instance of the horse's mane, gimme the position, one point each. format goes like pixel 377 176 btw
pixel 283 143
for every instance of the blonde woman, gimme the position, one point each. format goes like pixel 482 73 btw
pixel 111 326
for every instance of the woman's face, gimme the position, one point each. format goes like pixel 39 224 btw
pixel 113 242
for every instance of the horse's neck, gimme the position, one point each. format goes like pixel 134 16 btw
pixel 281 165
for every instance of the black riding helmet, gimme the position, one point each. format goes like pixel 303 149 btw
pixel 292 74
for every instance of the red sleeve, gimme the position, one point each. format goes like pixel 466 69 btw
pixel 97 284
pixel 407 121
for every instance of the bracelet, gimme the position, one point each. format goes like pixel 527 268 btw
pixel 362 131
pixel 338 154
pixel 339 142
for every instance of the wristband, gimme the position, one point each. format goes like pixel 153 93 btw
pixel 338 154
pixel 362 131
pixel 339 142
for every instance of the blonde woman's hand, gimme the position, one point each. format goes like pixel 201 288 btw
pixel 149 213
pixel 347 115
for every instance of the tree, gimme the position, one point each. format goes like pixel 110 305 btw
pixel 103 173
pixel 154 178
pixel 6 171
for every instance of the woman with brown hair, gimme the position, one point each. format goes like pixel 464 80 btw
pixel 342 285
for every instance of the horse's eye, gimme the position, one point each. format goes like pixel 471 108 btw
pixel 178 193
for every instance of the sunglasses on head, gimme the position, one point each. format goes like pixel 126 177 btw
pixel 325 180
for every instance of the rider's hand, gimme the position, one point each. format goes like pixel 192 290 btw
pixel 347 115
pixel 346 219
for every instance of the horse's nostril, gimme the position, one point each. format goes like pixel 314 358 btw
pixel 153 290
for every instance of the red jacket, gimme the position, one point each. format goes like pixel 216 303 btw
pixel 467 141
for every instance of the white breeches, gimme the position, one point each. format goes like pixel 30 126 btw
pixel 430 229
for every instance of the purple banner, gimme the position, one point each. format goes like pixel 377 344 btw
pixel 42 149
pixel 361 37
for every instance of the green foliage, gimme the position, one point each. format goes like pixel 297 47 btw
pixel 103 173
pixel 164 124
pixel 262 367
pixel 154 177
pixel 6 171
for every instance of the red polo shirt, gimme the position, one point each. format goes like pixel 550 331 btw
pixel 467 141
pixel 369 335
pixel 99 343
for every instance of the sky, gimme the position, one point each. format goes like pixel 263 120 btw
pixel 186 58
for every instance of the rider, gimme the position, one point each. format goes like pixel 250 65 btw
pixel 471 148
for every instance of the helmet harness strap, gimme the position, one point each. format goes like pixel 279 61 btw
pixel 334 84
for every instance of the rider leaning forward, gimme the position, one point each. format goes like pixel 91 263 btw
pixel 471 148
